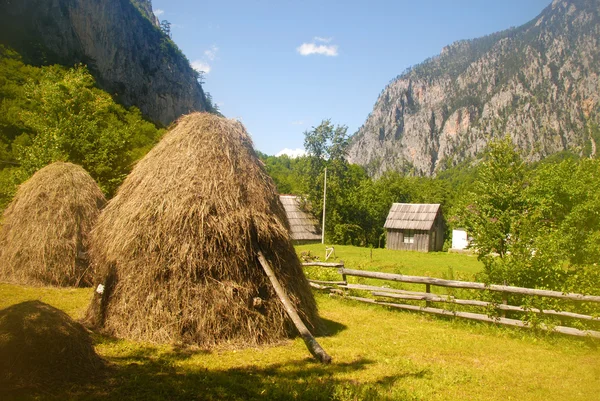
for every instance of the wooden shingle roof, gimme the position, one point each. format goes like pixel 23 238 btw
pixel 303 226
pixel 412 216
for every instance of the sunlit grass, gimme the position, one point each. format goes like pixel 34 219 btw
pixel 377 354
pixel 433 264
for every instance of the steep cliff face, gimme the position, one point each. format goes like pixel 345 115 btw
pixel 145 6
pixel 125 50
pixel 538 83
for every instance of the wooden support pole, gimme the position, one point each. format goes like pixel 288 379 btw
pixel 311 343
pixel 428 291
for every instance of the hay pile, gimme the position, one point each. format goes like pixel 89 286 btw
pixel 45 228
pixel 176 248
pixel 42 346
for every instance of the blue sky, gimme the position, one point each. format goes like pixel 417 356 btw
pixel 281 67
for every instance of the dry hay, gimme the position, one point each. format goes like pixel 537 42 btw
pixel 45 228
pixel 176 248
pixel 42 346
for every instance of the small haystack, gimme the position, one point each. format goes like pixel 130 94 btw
pixel 176 249
pixel 42 346
pixel 44 232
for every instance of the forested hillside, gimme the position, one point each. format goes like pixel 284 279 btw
pixel 121 44
pixel 56 113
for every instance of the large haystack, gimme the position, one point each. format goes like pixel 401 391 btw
pixel 42 346
pixel 176 249
pixel 44 233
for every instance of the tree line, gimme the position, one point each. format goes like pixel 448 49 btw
pixel 533 224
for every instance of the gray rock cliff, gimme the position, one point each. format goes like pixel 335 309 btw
pixel 537 83
pixel 119 41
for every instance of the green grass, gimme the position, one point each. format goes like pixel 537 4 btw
pixel 433 264
pixel 378 354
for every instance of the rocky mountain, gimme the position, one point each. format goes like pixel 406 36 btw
pixel 121 43
pixel 538 83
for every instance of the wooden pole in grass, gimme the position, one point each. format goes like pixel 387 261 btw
pixel 311 343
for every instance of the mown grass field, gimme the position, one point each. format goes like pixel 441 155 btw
pixel 434 264
pixel 378 354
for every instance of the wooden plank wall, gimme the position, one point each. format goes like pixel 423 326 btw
pixel 395 240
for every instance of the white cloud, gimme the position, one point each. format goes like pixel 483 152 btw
pixel 321 39
pixel 204 63
pixel 293 153
pixel 158 12
pixel 299 122
pixel 201 66
pixel 307 49
pixel 211 53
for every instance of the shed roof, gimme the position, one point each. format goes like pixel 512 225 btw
pixel 303 226
pixel 412 216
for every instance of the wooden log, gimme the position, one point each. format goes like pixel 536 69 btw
pixel 328 282
pixel 364 287
pixel 468 285
pixel 482 318
pixel 311 343
pixel 471 302
pixel 319 286
pixel 323 264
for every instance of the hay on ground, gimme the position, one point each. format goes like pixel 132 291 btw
pixel 44 232
pixel 42 346
pixel 176 248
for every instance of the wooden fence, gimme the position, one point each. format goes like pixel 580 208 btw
pixel 390 296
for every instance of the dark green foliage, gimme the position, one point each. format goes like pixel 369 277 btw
pixel 286 172
pixel 165 26
pixel 357 205
pixel 54 113
pixel 536 227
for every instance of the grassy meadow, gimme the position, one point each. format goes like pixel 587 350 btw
pixel 433 264
pixel 378 354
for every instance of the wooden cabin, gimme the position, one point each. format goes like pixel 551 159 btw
pixel 304 228
pixel 415 227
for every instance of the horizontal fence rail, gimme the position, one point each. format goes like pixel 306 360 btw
pixel 323 264
pixel 468 285
pixel 340 288
pixel 482 318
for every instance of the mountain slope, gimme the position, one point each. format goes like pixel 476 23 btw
pixel 538 83
pixel 119 41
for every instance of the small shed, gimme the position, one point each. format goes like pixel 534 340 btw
pixel 460 239
pixel 304 228
pixel 415 227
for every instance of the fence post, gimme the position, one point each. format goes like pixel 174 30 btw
pixel 428 290
pixel 504 302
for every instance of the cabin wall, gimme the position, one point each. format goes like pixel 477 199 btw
pixel 395 240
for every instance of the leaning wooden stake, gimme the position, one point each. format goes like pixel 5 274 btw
pixel 311 343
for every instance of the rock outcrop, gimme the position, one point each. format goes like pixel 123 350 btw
pixel 537 83
pixel 121 43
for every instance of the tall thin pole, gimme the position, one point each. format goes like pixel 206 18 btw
pixel 324 202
